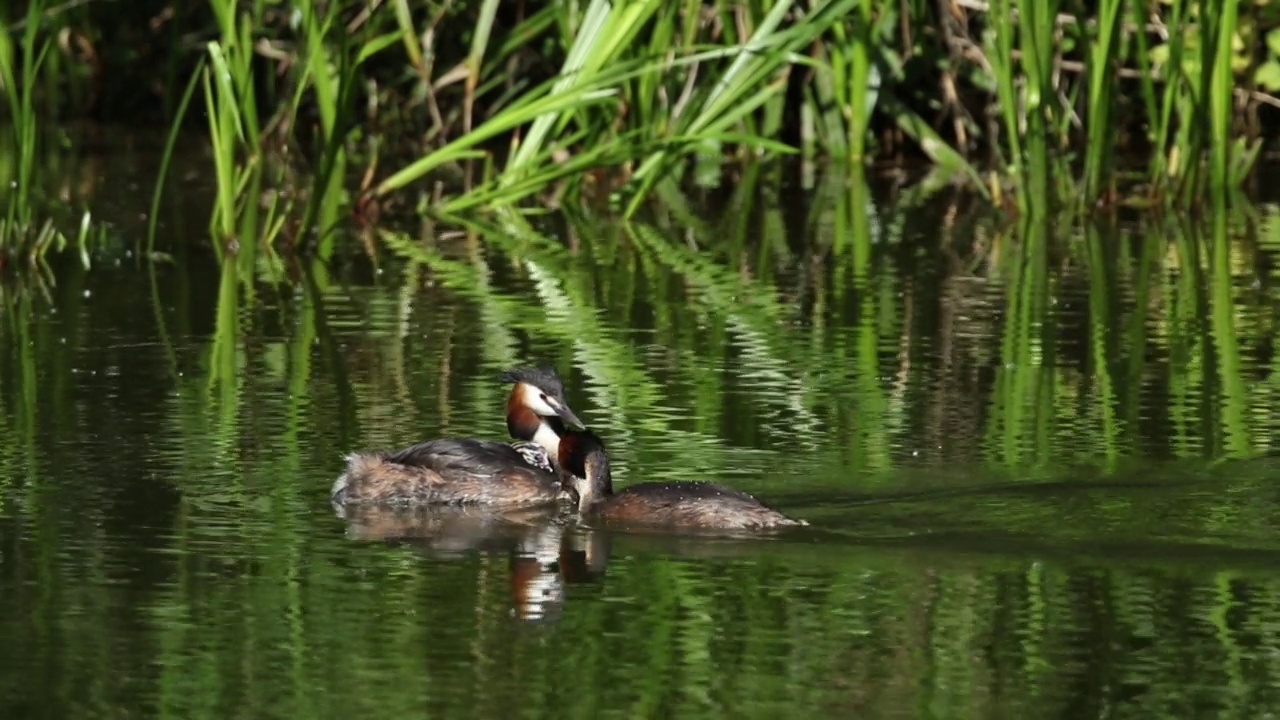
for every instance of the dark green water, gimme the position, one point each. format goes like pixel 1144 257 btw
pixel 1035 459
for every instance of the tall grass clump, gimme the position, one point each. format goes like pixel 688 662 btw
pixel 643 87
pixel 27 231
pixel 348 106
pixel 19 69
pixel 234 129
pixel 1023 63
pixel 638 60
pixel 320 71
pixel 1195 96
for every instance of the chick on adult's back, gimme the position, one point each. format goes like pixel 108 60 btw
pixel 470 470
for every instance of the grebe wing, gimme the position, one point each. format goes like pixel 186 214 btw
pixel 469 455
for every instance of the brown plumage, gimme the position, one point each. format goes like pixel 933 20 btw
pixel 468 471
pixel 453 471
pixel 690 505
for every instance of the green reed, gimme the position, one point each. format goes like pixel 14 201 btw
pixel 604 31
pixel 331 62
pixel 19 72
pixel 324 77
pixel 1036 34
pixel 622 97
pixel 1180 106
pixel 230 131
pixel 572 112
pixel 1155 104
pixel 166 156
pixel 241 221
pixel 1103 54
pixel 746 84
pixel 1216 62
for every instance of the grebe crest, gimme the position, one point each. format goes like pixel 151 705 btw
pixel 538 414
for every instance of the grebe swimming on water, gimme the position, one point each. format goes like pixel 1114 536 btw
pixel 469 471
pixel 689 505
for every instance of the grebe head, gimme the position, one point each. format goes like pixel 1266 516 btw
pixel 538 389
pixel 586 466
pixel 536 410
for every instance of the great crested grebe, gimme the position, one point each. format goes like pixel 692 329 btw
pixel 689 505
pixel 469 471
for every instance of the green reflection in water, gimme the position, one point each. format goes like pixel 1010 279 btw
pixel 1033 454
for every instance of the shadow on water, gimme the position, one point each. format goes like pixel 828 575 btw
pixel 1038 460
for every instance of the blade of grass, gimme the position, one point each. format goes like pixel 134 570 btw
pixel 167 155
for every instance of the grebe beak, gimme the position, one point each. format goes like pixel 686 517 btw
pixel 565 413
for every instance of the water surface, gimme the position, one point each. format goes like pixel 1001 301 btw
pixel 1036 459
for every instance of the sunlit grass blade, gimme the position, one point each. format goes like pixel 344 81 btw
pixel 166 156
pixel 744 86
pixel 462 148
pixel 1221 92
pixel 1002 60
pixel 605 29
pixel 475 57
pixel 858 98
pixel 407 34
pixel 1102 54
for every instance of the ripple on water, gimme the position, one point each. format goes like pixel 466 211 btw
pixel 998 529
